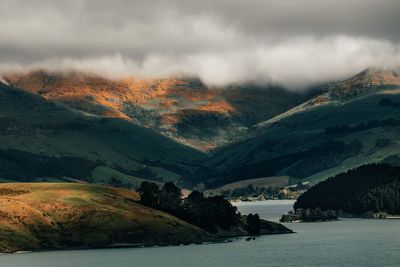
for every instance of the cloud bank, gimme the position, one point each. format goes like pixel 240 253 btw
pixel 294 44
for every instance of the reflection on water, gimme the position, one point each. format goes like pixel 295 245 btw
pixel 351 242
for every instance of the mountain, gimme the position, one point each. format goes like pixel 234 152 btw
pixel 354 122
pixel 70 125
pixel 41 140
pixel 364 82
pixel 184 109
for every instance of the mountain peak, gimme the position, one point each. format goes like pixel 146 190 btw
pixel 364 81
pixel 380 75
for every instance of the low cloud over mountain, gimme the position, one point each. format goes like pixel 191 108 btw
pixel 294 44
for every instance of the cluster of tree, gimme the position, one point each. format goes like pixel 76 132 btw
pixel 312 215
pixel 372 187
pixel 309 215
pixel 340 129
pixel 387 102
pixel 324 156
pixel 209 213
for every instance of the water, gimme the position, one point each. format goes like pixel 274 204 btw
pixel 269 210
pixel 351 242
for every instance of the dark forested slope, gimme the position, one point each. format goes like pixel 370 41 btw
pixel 372 187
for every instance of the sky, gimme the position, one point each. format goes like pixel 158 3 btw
pixel 293 43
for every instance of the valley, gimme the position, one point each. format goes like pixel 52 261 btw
pixel 319 139
pixel 122 132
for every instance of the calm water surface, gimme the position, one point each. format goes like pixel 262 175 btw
pixel 350 242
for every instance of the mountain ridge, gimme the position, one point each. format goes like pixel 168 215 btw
pixel 327 134
pixel 184 109
pixel 310 141
pixel 41 139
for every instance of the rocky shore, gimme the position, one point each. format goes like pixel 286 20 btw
pixel 318 215
pixel 310 215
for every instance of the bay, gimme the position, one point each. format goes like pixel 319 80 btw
pixel 349 242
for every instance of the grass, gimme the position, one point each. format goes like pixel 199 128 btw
pixel 36 216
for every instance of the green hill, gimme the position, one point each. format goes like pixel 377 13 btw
pixel 38 216
pixel 45 141
pixel 356 122
pixel 369 188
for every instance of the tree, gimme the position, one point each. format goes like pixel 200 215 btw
pixel 253 224
pixel 209 213
pixel 367 188
pixel 149 194
pixel 195 197
pixel 170 198
pixel 225 213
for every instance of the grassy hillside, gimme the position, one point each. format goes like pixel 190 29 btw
pixel 41 216
pixel 184 109
pixel 48 141
pixel 339 130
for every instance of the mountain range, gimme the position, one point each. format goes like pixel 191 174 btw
pixel 76 126
pixel 184 109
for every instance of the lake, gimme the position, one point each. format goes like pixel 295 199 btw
pixel 349 242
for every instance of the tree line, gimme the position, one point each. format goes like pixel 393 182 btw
pixel 371 187
pixel 208 213
pixel 342 129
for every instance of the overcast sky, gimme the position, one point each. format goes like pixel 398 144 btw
pixel 293 43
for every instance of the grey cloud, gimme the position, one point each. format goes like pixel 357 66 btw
pixel 293 43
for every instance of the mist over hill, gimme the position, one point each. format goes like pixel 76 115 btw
pixel 45 141
pixel 355 122
pixel 185 109
pixel 91 128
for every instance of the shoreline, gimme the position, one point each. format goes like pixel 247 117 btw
pixel 142 245
pixel 344 219
pixel 260 200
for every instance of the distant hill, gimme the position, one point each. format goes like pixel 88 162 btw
pixel 355 122
pixel 45 141
pixel 75 126
pixel 373 187
pixel 182 108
